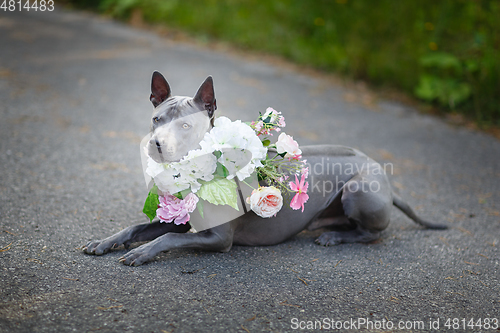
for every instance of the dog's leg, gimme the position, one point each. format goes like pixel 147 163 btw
pixel 358 235
pixel 137 233
pixel 368 210
pixel 219 238
pixel 329 222
pixel 333 216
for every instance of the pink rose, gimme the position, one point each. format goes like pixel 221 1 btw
pixel 174 209
pixel 286 144
pixel 266 201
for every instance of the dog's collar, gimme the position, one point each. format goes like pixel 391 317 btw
pixel 212 121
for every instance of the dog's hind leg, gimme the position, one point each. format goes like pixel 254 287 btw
pixel 337 222
pixel 358 235
pixel 219 238
pixel 136 233
pixel 333 217
pixel 367 210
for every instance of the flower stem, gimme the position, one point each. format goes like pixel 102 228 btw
pixel 248 184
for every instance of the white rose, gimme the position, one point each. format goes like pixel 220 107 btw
pixel 286 144
pixel 266 201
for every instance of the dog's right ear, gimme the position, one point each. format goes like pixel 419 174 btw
pixel 160 90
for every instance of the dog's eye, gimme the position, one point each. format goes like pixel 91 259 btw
pixel 185 126
pixel 156 119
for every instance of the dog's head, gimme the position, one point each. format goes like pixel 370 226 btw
pixel 179 123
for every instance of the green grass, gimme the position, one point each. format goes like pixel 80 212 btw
pixel 444 52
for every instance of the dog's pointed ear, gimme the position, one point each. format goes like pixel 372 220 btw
pixel 205 97
pixel 160 90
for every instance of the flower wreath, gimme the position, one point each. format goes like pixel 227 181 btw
pixel 232 151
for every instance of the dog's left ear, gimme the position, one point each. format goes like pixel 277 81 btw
pixel 205 97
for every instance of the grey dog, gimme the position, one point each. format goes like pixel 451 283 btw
pixel 355 211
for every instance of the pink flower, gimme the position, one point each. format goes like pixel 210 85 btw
pixel 281 122
pixel 294 157
pixel 301 196
pixel 270 112
pixel 266 201
pixel 270 121
pixel 283 178
pixel 190 202
pixel 174 209
pixel 286 144
pixel 258 126
pixel 305 172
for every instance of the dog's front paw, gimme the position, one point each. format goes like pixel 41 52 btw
pixel 138 256
pixel 329 239
pixel 99 247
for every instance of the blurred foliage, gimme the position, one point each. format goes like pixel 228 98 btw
pixel 445 52
pixel 444 82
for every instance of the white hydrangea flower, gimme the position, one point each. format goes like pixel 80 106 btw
pixel 178 176
pixel 198 165
pixel 232 137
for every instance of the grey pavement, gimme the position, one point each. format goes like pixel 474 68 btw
pixel 74 91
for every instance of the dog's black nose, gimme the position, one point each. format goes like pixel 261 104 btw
pixel 158 146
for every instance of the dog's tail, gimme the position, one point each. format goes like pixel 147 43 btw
pixel 405 208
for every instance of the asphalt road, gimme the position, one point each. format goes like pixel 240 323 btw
pixel 74 91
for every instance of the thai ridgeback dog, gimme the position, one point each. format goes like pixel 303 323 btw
pixel 356 207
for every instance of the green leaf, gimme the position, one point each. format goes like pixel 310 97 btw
pixel 199 205
pixel 182 194
pixel 217 154
pixel 460 93
pixel 151 203
pixel 448 92
pixel 266 142
pixel 441 60
pixel 221 170
pixel 219 191
pixel 428 87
